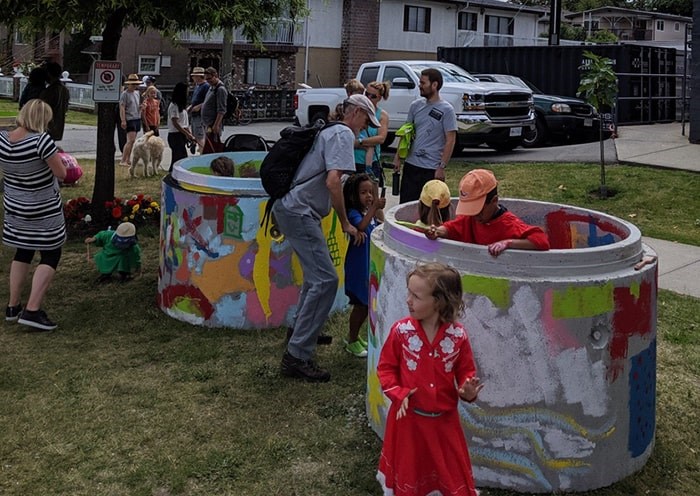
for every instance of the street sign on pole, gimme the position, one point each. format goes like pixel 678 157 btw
pixel 106 81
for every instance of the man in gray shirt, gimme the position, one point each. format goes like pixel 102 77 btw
pixel 213 108
pixel 435 135
pixel 315 188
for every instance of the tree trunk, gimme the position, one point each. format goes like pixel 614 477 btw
pixel 603 190
pixel 694 136
pixel 103 190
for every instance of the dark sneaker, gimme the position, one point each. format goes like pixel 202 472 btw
pixel 12 313
pixel 37 319
pixel 321 339
pixel 303 369
pixel 104 278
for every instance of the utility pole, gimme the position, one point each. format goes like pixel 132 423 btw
pixel 695 77
pixel 554 22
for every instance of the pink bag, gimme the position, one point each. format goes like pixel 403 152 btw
pixel 73 169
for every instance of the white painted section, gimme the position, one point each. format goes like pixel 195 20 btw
pixel 325 23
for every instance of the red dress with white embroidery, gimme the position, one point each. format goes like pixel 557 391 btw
pixel 425 451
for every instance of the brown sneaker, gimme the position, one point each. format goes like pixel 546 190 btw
pixel 303 369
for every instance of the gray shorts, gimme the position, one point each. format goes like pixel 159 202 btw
pixel 196 125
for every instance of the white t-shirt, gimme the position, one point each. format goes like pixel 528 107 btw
pixel 183 118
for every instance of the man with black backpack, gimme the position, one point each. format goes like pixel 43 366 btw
pixel 315 188
pixel 213 111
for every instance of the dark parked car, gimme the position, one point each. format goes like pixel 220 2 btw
pixel 559 118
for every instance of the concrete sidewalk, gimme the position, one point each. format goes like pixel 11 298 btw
pixel 658 145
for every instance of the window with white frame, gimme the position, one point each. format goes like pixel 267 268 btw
pixel 261 71
pixel 498 25
pixel 467 21
pixel 416 19
pixel 659 25
pixel 149 64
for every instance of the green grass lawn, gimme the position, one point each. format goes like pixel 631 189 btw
pixel 9 108
pixel 123 400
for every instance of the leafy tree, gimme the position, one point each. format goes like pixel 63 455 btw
pixel 602 36
pixel 110 17
pixel 569 32
pixel 675 7
pixel 598 86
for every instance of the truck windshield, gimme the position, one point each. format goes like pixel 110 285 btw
pixel 450 73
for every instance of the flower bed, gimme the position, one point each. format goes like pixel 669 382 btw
pixel 140 209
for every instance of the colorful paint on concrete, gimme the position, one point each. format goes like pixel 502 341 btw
pixel 564 340
pixel 218 267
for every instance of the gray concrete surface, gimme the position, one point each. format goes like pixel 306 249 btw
pixel 658 145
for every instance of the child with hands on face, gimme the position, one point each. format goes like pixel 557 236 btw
pixel 361 207
pixel 483 221
pixel 426 366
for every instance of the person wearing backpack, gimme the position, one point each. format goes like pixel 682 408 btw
pixel 213 111
pixel 315 188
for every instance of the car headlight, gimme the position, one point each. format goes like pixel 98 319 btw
pixel 561 107
pixel 472 102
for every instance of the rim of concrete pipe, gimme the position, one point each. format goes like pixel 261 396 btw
pixel 621 255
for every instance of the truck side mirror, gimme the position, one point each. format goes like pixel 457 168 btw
pixel 402 82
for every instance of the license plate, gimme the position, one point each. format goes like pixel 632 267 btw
pixel 516 131
pixel 588 122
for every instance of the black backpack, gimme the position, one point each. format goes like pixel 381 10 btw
pixel 231 105
pixel 279 166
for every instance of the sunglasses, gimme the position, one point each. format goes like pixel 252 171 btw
pixel 371 96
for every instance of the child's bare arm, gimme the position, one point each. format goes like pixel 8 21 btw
pixel 499 247
pixel 470 389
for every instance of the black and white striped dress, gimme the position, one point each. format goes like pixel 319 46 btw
pixel 33 208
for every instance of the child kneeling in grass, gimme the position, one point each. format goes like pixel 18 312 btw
pixel 120 252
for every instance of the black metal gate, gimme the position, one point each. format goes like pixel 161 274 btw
pixel 647 75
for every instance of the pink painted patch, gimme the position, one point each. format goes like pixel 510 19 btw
pixel 281 299
pixel 558 336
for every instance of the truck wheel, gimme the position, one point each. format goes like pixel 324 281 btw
pixel 538 136
pixel 318 116
pixel 504 146
pixel 390 137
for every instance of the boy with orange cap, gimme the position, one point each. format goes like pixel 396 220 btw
pixel 482 220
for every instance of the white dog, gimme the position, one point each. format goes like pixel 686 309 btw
pixel 149 150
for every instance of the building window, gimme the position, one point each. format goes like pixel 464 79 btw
pixel 416 19
pixel 498 25
pixel 149 64
pixel 262 71
pixel 659 25
pixel 677 26
pixel 466 21
pixel 591 25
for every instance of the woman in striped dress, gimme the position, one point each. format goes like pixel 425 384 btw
pixel 33 210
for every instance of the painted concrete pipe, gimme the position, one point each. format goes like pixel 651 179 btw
pixel 564 340
pixel 218 267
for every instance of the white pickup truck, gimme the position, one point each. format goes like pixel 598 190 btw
pixel 492 113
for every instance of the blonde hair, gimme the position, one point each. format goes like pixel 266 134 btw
pixel 354 87
pixel 382 87
pixel 151 90
pixel 35 116
pixel 447 288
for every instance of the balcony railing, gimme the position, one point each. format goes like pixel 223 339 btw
pixel 281 32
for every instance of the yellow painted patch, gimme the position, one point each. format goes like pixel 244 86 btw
pixel 261 268
pixel 375 396
pixel 494 288
pixel 582 301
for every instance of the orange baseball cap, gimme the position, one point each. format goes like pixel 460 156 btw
pixel 473 188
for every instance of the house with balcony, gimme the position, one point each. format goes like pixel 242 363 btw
pixel 629 25
pixel 327 47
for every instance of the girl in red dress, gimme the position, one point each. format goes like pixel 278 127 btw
pixel 425 367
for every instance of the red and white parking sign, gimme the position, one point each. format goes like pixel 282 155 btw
pixel 106 81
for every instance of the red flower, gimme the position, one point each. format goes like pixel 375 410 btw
pixel 117 212
pixel 109 204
